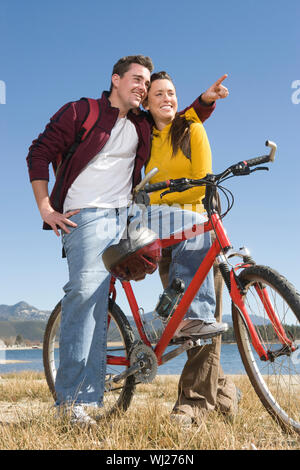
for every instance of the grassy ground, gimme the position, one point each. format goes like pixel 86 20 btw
pixel 27 421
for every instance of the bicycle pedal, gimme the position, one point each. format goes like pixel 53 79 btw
pixel 177 341
pixel 202 342
pixel 197 342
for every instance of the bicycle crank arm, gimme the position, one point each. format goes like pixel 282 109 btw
pixel 184 347
pixel 130 371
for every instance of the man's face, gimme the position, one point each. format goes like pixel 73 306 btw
pixel 131 89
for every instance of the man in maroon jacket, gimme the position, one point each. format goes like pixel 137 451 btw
pixel 94 193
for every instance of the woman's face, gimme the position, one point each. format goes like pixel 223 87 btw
pixel 162 101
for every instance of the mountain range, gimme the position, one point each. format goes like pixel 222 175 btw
pixel 22 311
pixel 29 322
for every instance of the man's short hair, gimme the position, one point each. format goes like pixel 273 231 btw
pixel 123 65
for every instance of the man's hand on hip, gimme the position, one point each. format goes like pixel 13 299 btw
pixel 57 221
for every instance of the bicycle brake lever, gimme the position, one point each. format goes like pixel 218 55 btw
pixel 260 168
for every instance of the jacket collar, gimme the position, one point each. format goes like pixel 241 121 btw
pixel 133 116
pixel 108 113
pixel 104 101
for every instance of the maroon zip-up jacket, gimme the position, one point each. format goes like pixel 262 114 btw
pixel 60 133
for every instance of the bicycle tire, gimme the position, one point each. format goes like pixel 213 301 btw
pixel 276 383
pixel 115 399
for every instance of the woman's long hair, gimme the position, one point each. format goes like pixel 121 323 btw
pixel 180 128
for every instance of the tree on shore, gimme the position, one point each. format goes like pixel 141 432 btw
pixel 19 339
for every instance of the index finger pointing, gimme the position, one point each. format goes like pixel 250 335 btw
pixel 218 82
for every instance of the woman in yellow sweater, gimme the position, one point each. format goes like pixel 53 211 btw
pixel 180 148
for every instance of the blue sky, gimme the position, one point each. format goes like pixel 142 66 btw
pixel 58 51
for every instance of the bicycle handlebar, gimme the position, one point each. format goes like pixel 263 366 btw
pixel 146 179
pixel 150 188
pixel 241 168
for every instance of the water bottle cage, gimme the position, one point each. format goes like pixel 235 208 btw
pixel 170 298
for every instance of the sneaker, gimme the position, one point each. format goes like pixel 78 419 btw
pixel 200 329
pixel 77 416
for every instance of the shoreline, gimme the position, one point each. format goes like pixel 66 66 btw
pixel 21 348
pixel 158 376
pixel 18 359
pixel 3 362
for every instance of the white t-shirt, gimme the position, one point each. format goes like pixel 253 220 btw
pixel 106 181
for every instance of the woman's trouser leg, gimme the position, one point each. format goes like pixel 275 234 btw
pixel 187 255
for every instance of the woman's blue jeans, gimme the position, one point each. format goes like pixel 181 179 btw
pixel 82 362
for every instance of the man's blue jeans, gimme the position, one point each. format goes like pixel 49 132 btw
pixel 81 373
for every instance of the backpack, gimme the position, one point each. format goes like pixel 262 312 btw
pixel 87 126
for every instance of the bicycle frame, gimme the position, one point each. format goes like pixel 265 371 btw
pixel 221 244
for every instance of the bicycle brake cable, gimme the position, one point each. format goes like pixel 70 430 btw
pixel 230 204
pixel 229 207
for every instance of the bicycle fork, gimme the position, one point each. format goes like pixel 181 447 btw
pixel 237 291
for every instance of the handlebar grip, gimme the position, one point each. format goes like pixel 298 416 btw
pixel 150 188
pixel 264 158
pixel 258 160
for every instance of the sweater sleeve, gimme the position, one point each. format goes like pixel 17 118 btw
pixel 201 110
pixel 201 164
pixel 56 139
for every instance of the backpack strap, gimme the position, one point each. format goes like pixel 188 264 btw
pixel 91 118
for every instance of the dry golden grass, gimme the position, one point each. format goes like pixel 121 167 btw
pixel 27 421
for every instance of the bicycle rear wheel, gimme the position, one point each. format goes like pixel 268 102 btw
pixel 276 382
pixel 120 339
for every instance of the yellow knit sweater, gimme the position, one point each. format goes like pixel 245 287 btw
pixel 180 166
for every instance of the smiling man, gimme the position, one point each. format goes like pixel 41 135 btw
pixel 94 192
pixel 129 88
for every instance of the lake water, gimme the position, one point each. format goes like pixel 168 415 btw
pixel 230 361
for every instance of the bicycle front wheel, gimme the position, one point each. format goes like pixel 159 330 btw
pixel 276 381
pixel 120 338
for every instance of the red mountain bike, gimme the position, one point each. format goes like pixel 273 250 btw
pixel 269 348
